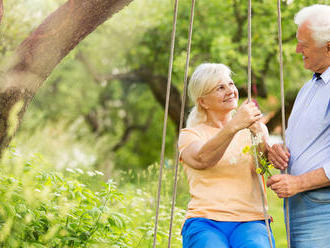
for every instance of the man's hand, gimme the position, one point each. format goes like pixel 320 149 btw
pixel 284 185
pixel 278 156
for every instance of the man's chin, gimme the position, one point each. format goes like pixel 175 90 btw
pixel 307 67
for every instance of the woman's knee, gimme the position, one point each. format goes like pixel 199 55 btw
pixel 199 233
pixel 205 239
pixel 257 242
pixel 252 235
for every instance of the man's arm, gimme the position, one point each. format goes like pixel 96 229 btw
pixel 287 185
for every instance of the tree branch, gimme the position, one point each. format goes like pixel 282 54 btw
pixel 92 121
pixel 157 84
pixel 237 37
pixel 1 10
pixel 129 130
pixel 126 77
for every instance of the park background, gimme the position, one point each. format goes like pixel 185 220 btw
pixel 82 168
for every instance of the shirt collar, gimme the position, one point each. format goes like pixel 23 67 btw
pixel 325 76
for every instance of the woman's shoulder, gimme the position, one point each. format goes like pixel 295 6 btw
pixel 201 130
pixel 196 130
pixel 189 135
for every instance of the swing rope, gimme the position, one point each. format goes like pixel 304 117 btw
pixel 286 201
pixel 252 136
pixel 183 104
pixel 168 91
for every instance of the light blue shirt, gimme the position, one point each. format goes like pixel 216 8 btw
pixel 308 132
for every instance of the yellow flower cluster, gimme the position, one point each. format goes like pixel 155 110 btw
pixel 264 166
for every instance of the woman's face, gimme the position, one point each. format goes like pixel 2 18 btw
pixel 222 98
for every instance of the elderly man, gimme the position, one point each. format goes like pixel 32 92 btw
pixel 308 138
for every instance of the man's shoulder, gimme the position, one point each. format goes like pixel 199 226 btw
pixel 305 88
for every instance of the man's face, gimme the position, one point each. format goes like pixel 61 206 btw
pixel 316 58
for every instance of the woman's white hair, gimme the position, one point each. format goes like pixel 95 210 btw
pixel 318 18
pixel 205 78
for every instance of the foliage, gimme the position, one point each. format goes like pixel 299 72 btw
pixel 75 208
pixel 140 189
pixel 49 209
pixel 224 39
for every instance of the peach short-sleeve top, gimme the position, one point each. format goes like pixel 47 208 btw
pixel 228 191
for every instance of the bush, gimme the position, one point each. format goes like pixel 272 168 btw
pixel 51 209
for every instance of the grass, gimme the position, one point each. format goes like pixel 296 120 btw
pixel 278 225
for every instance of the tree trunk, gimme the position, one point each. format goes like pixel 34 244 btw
pixel 158 85
pixel 38 55
pixel 1 10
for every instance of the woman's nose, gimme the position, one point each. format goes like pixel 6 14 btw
pixel 229 90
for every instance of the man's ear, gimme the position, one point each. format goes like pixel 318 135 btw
pixel 328 48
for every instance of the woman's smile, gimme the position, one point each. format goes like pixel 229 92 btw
pixel 230 99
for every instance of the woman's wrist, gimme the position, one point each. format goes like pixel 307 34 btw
pixel 232 127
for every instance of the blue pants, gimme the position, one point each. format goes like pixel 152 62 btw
pixel 205 233
pixel 310 219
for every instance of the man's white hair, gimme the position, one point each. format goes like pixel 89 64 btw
pixel 318 20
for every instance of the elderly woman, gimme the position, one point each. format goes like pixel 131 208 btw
pixel 226 208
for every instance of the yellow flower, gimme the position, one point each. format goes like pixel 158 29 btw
pixel 270 166
pixel 258 170
pixel 246 149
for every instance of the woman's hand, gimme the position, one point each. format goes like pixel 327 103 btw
pixel 247 114
pixel 257 128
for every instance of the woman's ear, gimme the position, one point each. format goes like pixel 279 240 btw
pixel 328 49
pixel 202 103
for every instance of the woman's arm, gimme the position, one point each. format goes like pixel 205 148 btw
pixel 202 155
pixel 260 131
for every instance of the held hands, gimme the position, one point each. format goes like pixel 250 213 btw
pixel 247 114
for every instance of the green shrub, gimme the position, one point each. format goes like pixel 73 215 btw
pixel 49 209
